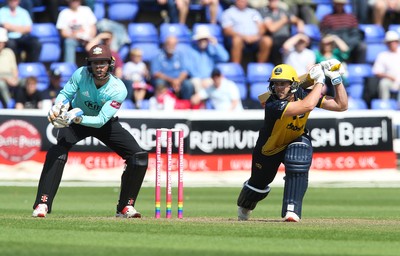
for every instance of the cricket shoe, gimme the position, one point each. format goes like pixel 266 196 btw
pixel 291 217
pixel 128 212
pixel 243 213
pixel 40 211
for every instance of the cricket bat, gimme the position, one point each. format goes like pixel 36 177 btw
pixel 305 82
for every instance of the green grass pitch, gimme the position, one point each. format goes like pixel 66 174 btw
pixel 336 221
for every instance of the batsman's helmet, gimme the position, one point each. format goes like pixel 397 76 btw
pixel 100 52
pixel 282 73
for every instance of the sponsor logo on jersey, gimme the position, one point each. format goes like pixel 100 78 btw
pixel 115 104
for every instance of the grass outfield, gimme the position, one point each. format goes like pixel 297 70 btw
pixel 337 221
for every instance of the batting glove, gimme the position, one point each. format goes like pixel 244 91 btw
pixel 57 109
pixel 335 76
pixel 74 115
pixel 317 74
pixel 331 65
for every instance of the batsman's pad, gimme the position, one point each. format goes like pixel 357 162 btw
pixel 250 196
pixel 297 163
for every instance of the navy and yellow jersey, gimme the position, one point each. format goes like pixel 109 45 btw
pixel 278 131
pixel 99 105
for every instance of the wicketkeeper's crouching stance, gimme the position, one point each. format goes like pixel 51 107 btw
pixel 284 137
pixel 86 107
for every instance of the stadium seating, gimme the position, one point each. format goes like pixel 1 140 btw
pixel 214 29
pixel 323 9
pixel 36 69
pixel 49 37
pixel 232 71
pixel 259 72
pixel 356 104
pixel 390 104
pixel 143 32
pixel 357 72
pixel 394 27
pixel 373 50
pixel 99 10
pixel 181 31
pixel 150 50
pixel 66 69
pixel 311 30
pixel 373 33
pixel 355 91
pixel 122 10
pixel 242 90
pixel 256 89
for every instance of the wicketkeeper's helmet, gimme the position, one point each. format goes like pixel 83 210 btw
pixel 100 52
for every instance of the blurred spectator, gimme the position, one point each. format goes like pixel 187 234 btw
pixel 163 99
pixel 18 23
pixel 53 7
pixel 384 9
pixel 304 9
pixel 206 53
pixel 28 96
pixel 29 4
pixel 296 53
pixel 213 8
pixel 345 26
pixel 332 47
pixel 77 25
pixel 223 94
pixel 243 29
pixel 135 76
pixel 278 25
pixel 8 70
pixel 177 10
pixel 54 86
pixel 169 68
pixel 106 38
pixel 387 67
pixel 362 10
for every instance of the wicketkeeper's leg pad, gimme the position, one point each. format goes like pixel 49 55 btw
pixel 297 165
pixel 51 175
pixel 132 179
pixel 250 196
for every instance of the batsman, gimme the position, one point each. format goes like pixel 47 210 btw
pixel 86 107
pixel 283 138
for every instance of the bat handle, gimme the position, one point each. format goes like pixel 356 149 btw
pixel 335 67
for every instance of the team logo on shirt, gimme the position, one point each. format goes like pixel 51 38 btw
pixel 115 104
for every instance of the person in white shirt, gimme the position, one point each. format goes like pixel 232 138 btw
pixel 296 53
pixel 387 67
pixel 77 26
pixel 223 94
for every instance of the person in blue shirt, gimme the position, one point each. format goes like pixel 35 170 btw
pixel 93 96
pixel 170 69
pixel 206 53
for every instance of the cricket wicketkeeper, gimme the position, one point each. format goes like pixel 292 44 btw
pixel 86 107
pixel 284 138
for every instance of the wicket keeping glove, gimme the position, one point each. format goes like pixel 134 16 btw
pixel 57 109
pixel 317 74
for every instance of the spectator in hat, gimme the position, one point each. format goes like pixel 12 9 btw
pixel 387 67
pixel 207 52
pixel 296 53
pixel 223 94
pixel 8 70
pixel 17 21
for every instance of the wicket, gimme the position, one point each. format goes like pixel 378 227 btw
pixel 169 132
